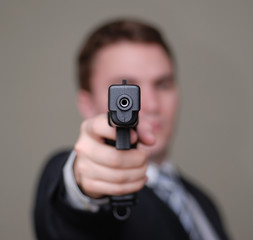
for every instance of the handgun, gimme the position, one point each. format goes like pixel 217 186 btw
pixel 123 110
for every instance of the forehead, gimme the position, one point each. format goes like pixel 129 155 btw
pixel 126 60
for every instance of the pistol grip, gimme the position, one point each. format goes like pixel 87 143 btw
pixel 123 138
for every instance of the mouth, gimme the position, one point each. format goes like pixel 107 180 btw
pixel 156 122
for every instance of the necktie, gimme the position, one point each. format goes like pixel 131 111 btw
pixel 170 190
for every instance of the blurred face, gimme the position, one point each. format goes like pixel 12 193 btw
pixel 148 66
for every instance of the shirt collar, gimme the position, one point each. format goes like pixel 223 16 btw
pixel 154 170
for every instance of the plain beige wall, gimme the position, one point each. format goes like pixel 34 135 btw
pixel 213 41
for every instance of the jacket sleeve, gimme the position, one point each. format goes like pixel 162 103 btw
pixel 54 218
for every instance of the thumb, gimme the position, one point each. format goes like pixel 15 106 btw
pixel 145 133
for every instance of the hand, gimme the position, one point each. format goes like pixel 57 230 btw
pixel 101 169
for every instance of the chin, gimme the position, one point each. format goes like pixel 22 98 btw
pixel 157 152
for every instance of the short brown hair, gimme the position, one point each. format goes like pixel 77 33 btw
pixel 113 32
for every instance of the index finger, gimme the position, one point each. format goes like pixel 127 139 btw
pixel 99 128
pixel 145 133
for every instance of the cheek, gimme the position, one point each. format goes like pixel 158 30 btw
pixel 169 105
pixel 101 102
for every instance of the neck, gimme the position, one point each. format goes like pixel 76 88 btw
pixel 158 158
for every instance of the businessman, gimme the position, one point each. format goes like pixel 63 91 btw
pixel 72 200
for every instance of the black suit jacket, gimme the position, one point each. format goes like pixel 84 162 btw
pixel 150 219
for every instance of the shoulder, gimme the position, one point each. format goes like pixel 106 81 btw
pixel 51 172
pixel 58 157
pixel 198 191
pixel 205 199
pixel 208 204
pixel 56 161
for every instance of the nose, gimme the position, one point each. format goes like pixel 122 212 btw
pixel 149 101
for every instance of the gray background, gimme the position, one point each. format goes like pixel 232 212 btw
pixel 213 41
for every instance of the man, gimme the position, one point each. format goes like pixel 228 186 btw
pixel 72 200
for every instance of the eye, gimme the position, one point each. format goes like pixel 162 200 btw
pixel 165 83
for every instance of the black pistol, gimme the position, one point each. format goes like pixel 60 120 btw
pixel 123 111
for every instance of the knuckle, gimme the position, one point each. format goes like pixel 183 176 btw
pixel 119 178
pixel 88 126
pixel 114 160
pixel 82 146
pixel 76 165
pixel 87 184
pixel 139 185
pixel 78 170
pixel 145 168
pixel 95 125
pixel 78 147
pixel 82 168
pixel 142 158
pixel 118 190
pixel 140 173
pixel 81 142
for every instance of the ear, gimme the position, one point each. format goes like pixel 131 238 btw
pixel 85 104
